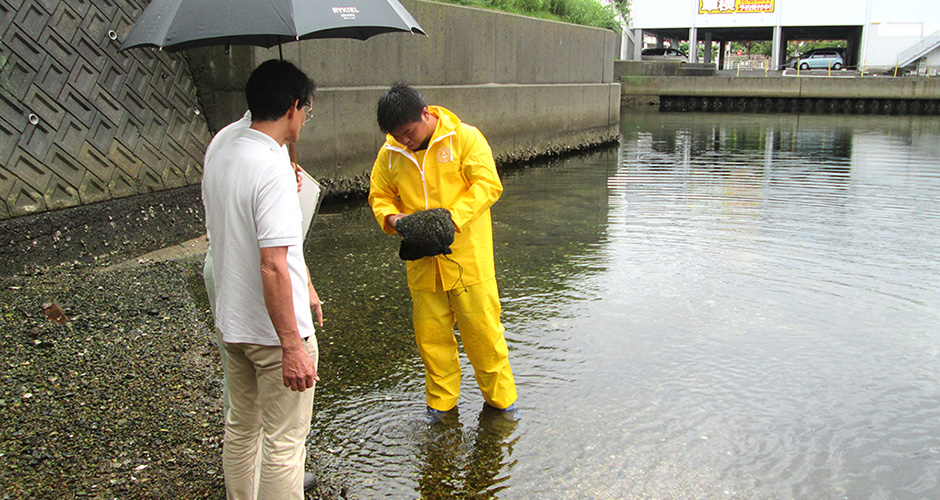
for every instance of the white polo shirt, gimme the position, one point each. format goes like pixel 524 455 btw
pixel 249 190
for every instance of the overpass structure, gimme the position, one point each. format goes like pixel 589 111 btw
pixel 879 35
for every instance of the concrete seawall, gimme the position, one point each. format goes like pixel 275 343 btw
pixel 519 121
pixel 531 86
pixel 785 93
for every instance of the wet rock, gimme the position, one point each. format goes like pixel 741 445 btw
pixel 55 312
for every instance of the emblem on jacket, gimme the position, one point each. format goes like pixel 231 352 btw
pixel 444 155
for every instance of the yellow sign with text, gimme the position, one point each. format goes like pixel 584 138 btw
pixel 735 6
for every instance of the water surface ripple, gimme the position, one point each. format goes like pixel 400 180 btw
pixel 725 306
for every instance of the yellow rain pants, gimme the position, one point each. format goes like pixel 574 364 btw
pixel 475 309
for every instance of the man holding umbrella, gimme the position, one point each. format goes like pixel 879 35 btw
pixel 264 298
pixel 173 25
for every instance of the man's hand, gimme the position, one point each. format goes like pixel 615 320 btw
pixel 315 305
pixel 300 178
pixel 299 372
pixel 392 220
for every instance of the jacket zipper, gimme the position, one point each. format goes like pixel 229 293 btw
pixel 420 168
pixel 426 152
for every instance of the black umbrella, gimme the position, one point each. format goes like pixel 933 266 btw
pixel 183 24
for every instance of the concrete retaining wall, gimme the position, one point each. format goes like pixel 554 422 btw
pixel 784 87
pixel 82 123
pixel 531 86
pixel 519 121
pixel 784 94
pixel 661 68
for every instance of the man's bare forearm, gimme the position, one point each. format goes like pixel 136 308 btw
pixel 298 370
pixel 278 296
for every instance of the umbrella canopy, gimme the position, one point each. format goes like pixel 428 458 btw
pixel 183 24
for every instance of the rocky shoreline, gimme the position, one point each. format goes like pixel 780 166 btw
pixel 124 399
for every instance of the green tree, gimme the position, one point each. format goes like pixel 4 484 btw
pixel 623 8
pixel 700 52
pixel 584 12
pixel 760 47
pixel 797 47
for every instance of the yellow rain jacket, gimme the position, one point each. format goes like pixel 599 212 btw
pixel 455 172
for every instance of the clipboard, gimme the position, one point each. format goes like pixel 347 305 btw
pixel 311 195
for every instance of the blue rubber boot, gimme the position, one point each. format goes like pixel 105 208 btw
pixel 432 416
pixel 511 412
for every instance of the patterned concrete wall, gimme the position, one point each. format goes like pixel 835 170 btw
pixel 82 123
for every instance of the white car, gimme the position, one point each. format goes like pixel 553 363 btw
pixel 820 59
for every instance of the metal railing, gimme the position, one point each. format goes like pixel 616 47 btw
pixel 919 49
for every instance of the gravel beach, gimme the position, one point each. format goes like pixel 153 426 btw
pixel 124 399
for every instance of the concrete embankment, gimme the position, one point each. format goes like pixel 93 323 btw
pixel 671 88
pixel 533 87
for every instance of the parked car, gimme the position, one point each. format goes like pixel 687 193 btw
pixel 664 54
pixel 820 59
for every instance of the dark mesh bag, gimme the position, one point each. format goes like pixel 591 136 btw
pixel 425 234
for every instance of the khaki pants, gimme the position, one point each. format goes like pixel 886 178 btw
pixel 264 413
pixel 476 312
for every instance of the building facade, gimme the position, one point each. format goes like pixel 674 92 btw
pixel 880 34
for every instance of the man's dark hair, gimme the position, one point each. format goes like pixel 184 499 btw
pixel 400 105
pixel 273 87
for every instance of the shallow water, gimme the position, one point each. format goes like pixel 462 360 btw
pixel 725 306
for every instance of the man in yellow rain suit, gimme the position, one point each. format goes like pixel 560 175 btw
pixel 432 160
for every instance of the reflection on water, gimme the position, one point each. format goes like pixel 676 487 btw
pixel 726 306
pixel 456 461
